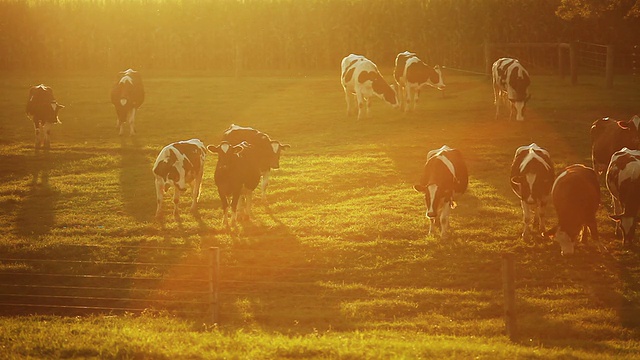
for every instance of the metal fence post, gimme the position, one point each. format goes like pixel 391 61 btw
pixel 214 280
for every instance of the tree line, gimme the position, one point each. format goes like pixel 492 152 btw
pixel 232 35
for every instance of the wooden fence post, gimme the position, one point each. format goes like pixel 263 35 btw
pixel 609 67
pixel 214 280
pixel 508 285
pixel 573 63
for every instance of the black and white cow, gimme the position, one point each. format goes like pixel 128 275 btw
pixel 411 75
pixel 360 77
pixel 576 197
pixel 445 175
pixel 623 182
pixel 510 86
pixel 127 95
pixel 177 165
pixel 609 136
pixel 265 152
pixel 532 176
pixel 42 109
pixel 236 177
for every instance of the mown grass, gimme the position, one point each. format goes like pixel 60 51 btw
pixel 337 263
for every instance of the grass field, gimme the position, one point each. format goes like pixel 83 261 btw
pixel 338 264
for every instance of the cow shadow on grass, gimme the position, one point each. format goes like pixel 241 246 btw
pixel 136 179
pixel 36 216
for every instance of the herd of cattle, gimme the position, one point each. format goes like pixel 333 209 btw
pixel 246 155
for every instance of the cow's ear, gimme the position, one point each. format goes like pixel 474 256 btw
pixel 615 217
pixel 213 148
pixel 59 106
pixel 285 146
pixel 517 180
pixel 420 188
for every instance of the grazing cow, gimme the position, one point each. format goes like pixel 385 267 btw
pixel 127 95
pixel 576 197
pixel 360 77
pixel 532 176
pixel 609 136
pixel 177 165
pixel 265 152
pixel 411 75
pixel 510 85
pixel 42 109
pixel 623 182
pixel 445 174
pixel 236 176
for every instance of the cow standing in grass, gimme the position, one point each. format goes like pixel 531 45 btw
pixel 576 197
pixel 623 182
pixel 236 176
pixel 532 176
pixel 177 165
pixel 411 75
pixel 264 154
pixel 360 77
pixel 510 86
pixel 609 136
pixel 127 95
pixel 445 175
pixel 42 109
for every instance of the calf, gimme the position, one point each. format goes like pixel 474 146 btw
pixel 360 77
pixel 609 136
pixel 510 85
pixel 236 177
pixel 127 95
pixel 411 75
pixel 623 182
pixel 265 152
pixel 444 175
pixel 576 197
pixel 177 165
pixel 532 176
pixel 42 109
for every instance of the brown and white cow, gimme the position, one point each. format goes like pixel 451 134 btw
pixel 178 165
pixel 609 136
pixel 360 77
pixel 532 176
pixel 236 176
pixel 510 86
pixel 264 153
pixel 576 197
pixel 127 95
pixel 411 75
pixel 623 182
pixel 444 176
pixel 42 109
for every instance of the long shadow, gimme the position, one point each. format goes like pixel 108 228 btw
pixel 36 216
pixel 136 179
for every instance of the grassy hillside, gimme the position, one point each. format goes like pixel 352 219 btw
pixel 338 262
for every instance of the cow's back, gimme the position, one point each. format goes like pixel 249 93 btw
pixel 260 153
pixel 446 166
pixel 576 194
pixel 400 66
pixel 39 104
pixel 533 159
pixel 609 136
pixel 623 175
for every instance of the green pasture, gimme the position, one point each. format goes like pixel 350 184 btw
pixel 337 263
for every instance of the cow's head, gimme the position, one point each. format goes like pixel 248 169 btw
pixel 276 148
pixel 435 78
pixel 435 198
pixel 566 241
pixel 227 152
pixel 519 96
pixel 384 91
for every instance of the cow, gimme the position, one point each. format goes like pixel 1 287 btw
pixel 177 165
pixel 532 176
pixel 510 86
pixel 236 177
pixel 609 136
pixel 411 75
pixel 42 109
pixel 444 176
pixel 127 95
pixel 265 152
pixel 360 77
pixel 623 182
pixel 576 197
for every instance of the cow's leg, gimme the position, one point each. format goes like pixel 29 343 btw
pixel 593 230
pixel 416 96
pixel 407 98
pixel 362 103
pixel 159 196
pixel 444 220
pixel 46 130
pixel 195 191
pixel 176 203
pixel 234 207
pixel 542 207
pixel 432 226
pixel 348 98
pixel 617 209
pixel 224 202
pixel 38 134
pixel 400 92
pixel 526 219
pixel 248 195
pixel 132 121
